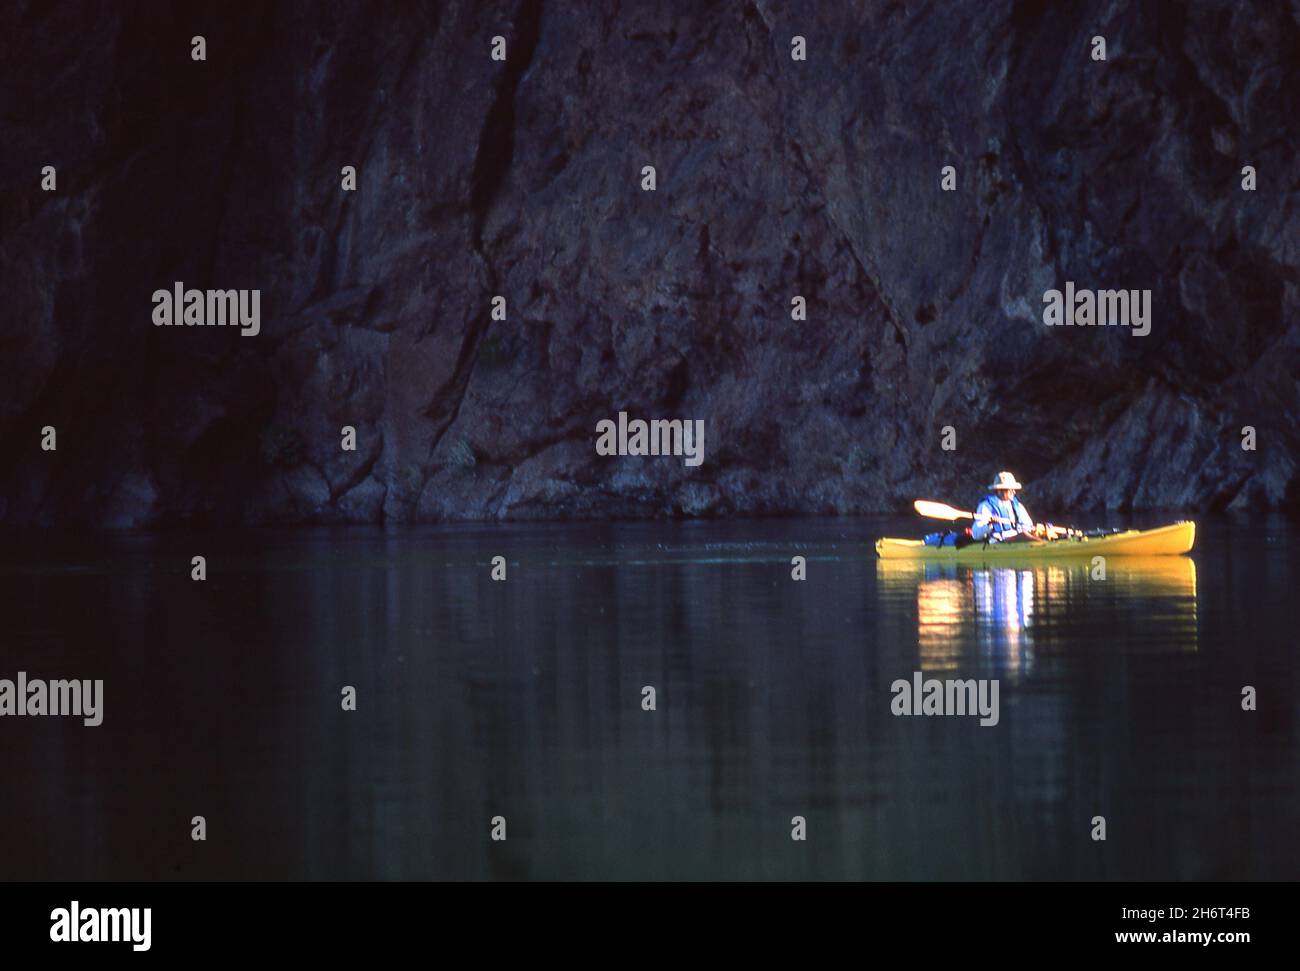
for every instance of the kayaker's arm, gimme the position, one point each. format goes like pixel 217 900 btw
pixel 983 529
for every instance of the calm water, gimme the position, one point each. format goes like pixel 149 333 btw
pixel 1118 698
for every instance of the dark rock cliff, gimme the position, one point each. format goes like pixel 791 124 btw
pixel 776 178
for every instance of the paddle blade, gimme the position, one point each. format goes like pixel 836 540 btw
pixel 939 510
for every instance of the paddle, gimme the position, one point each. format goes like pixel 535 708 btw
pixel 941 510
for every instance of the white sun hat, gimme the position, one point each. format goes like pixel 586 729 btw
pixel 1005 480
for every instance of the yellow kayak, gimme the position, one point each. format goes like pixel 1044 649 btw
pixel 1170 540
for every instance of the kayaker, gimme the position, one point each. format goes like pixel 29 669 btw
pixel 1001 504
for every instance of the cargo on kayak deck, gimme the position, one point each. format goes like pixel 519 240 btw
pixel 949 537
pixel 1171 540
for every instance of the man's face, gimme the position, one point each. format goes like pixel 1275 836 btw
pixel 1006 494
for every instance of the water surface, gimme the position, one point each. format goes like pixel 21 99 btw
pixel 1119 697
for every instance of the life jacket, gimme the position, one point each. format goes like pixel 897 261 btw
pixel 996 503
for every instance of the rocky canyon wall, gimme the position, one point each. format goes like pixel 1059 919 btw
pixel 523 178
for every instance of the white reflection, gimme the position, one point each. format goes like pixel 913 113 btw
pixel 1004 612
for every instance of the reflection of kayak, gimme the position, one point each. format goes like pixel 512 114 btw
pixel 1155 576
pixel 1161 541
pixel 1005 605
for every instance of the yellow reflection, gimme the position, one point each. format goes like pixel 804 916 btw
pixel 943 608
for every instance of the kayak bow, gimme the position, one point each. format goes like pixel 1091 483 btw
pixel 1171 540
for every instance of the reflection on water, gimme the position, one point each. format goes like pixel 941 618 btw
pixel 993 606
pixel 1118 697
